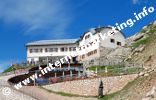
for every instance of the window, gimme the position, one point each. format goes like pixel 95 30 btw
pixel 95 51
pixel 55 49
pixel 79 48
pixel 51 49
pixel 91 62
pixel 34 50
pixel 112 40
pixel 72 49
pixel 91 43
pixel 83 46
pixel 30 50
pixel 83 56
pixel 32 60
pixel 80 56
pixel 41 50
pixel 90 53
pixel 46 50
pixel 87 36
pixel 63 49
pixel 119 43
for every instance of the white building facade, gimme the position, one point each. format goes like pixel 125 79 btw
pixel 88 46
pixel 96 41
pixel 50 50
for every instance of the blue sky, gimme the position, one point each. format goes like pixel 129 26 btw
pixel 22 21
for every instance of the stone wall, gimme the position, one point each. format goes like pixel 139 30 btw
pixel 89 87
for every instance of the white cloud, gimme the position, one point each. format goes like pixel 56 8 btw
pixel 37 16
pixel 139 1
pixel 135 1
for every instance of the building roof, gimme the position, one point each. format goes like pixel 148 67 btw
pixel 99 29
pixel 52 42
pixel 68 41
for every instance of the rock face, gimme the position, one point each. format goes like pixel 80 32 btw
pixel 115 56
pixel 154 23
pixel 109 56
pixel 140 48
pixel 151 95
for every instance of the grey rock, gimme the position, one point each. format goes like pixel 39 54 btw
pixel 141 73
pixel 144 27
pixel 140 48
pixel 146 74
pixel 138 37
pixel 154 23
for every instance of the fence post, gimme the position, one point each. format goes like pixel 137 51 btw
pixel 71 74
pixel 55 74
pixel 63 73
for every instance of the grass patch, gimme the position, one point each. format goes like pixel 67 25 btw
pixel 68 94
pixel 147 40
pixel 109 96
pixel 93 68
pixel 151 28
pixel 10 69
pixel 125 89
pixel 143 30
pixel 141 42
pixel 115 70
pixel 120 71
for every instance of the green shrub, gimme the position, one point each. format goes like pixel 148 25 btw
pixel 141 42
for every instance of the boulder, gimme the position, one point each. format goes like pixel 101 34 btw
pixel 146 74
pixel 138 37
pixel 141 73
pixel 144 27
pixel 140 48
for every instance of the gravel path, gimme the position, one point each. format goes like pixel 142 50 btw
pixel 42 94
pixel 8 93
